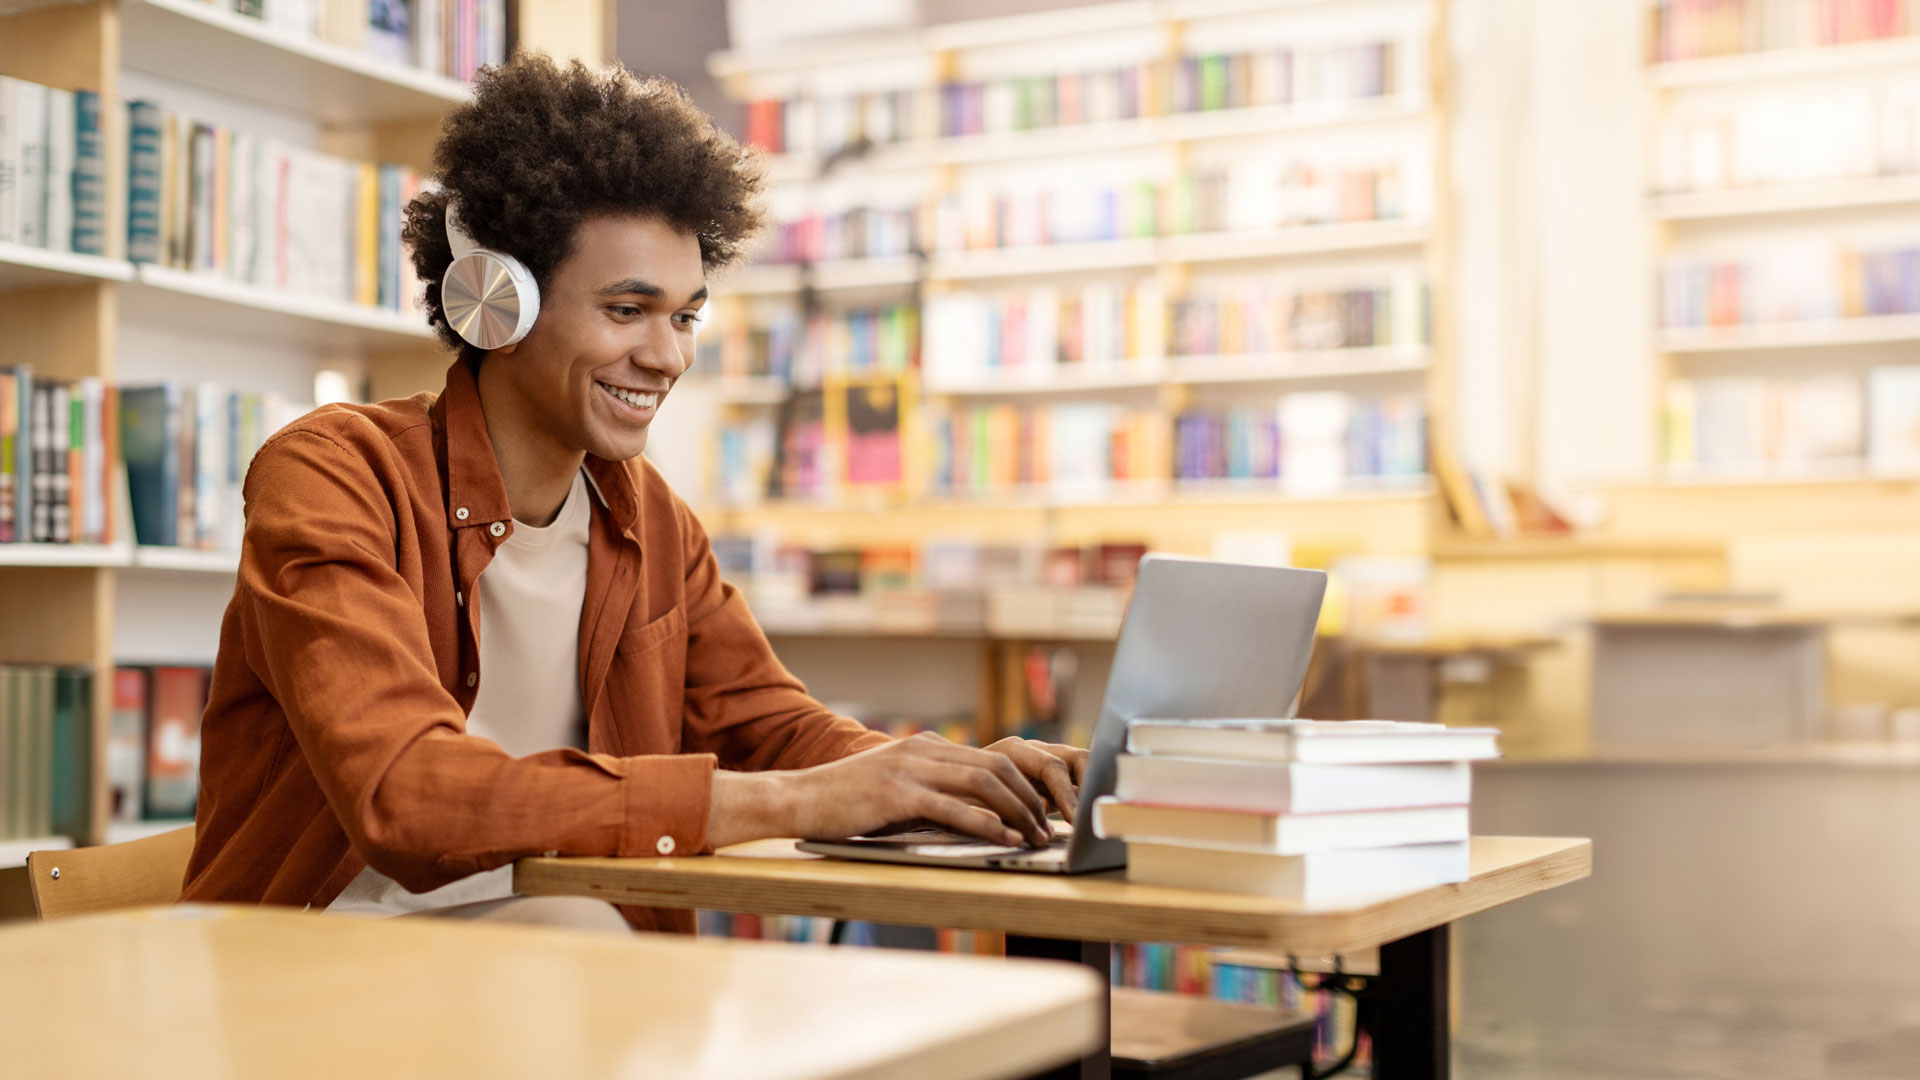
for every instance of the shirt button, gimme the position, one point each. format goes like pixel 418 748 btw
pixel 461 513
pixel 472 677
pixel 498 528
pixel 664 845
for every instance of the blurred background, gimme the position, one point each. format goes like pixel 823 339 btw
pixel 1578 341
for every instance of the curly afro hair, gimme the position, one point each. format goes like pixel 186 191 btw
pixel 539 148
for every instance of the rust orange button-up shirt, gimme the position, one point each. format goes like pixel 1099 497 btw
pixel 335 734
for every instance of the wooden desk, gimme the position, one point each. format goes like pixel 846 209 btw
pixel 1078 917
pixel 244 991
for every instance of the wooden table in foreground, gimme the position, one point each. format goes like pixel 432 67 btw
pixel 1078 917
pixel 245 991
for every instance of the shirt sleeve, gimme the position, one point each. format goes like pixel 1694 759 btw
pixel 741 703
pixel 337 635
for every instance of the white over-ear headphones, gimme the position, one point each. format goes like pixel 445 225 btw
pixel 489 296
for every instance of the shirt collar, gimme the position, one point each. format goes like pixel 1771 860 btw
pixel 473 472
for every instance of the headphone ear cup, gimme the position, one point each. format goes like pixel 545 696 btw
pixel 490 299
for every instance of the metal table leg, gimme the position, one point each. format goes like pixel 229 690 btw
pixel 1411 1037
pixel 1097 955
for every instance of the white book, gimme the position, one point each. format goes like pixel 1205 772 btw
pixel 30 120
pixel 1313 442
pixel 61 151
pixel 242 213
pixel 9 161
pixel 1328 742
pixel 1276 834
pixel 92 526
pixel 210 464
pixel 1312 878
pixel 1290 788
pixel 1893 430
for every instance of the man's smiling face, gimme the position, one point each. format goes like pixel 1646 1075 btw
pixel 615 332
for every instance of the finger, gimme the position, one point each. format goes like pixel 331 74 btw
pixel 966 818
pixel 988 786
pixel 1059 782
pixel 1021 774
pixel 1003 765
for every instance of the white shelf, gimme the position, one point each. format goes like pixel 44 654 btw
pixel 1067 379
pixel 23 267
pixel 15 852
pixel 1310 364
pixel 1045 259
pixel 1298 240
pixel 119 832
pixel 194 42
pixel 1282 119
pixel 764 279
pixel 1761 201
pixel 207 303
pixel 63 555
pixel 1858 57
pixel 1353 489
pixel 186 559
pixel 866 273
pixel 754 390
pixel 1775 474
pixel 1831 333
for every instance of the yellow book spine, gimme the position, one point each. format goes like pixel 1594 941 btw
pixel 366 248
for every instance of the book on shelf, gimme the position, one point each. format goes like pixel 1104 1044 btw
pixel 1290 788
pixel 1278 834
pixel 446 37
pixel 1071 450
pixel 186 451
pixel 45 721
pixel 224 202
pixel 58 458
pixel 1265 317
pixel 1804 134
pixel 1301 73
pixel 1098 327
pixel 1797 280
pixel 1311 443
pixel 860 232
pixel 176 697
pixel 1893 423
pixel 806 349
pixel 1310 878
pixel 51 190
pixel 1741 422
pixel 1324 742
pixel 1695 29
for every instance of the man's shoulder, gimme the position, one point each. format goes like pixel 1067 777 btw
pixel 365 430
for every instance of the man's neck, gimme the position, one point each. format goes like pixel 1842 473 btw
pixel 536 468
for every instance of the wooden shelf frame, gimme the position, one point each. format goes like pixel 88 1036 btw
pixel 64 310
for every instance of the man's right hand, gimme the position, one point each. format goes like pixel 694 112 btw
pixel 970 791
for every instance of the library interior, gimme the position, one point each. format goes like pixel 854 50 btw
pixel 1070 387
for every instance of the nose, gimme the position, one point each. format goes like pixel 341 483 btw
pixel 660 349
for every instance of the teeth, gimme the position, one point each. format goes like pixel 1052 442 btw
pixel 639 401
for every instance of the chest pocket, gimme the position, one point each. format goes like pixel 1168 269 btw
pixel 647 681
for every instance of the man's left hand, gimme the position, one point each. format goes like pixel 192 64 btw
pixel 1054 769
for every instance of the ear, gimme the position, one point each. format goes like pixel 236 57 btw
pixel 506 350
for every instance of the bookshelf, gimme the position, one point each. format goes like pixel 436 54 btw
pixel 104 317
pixel 1788 279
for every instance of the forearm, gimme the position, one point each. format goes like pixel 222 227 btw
pixel 748 806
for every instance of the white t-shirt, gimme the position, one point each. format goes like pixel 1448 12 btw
pixel 529 694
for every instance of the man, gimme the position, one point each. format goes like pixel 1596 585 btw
pixel 476 626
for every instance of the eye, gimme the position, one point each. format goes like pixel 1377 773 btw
pixel 688 319
pixel 625 311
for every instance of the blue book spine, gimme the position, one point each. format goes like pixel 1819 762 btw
pixel 150 443
pixel 143 182
pixel 89 176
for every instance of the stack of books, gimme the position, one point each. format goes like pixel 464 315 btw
pixel 1296 809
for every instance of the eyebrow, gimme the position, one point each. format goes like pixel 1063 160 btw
pixel 645 288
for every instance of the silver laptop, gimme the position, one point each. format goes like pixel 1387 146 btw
pixel 1200 639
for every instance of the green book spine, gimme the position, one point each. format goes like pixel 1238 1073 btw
pixel 72 741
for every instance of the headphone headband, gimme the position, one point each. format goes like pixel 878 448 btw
pixel 457 237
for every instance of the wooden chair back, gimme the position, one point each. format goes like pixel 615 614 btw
pixel 80 881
